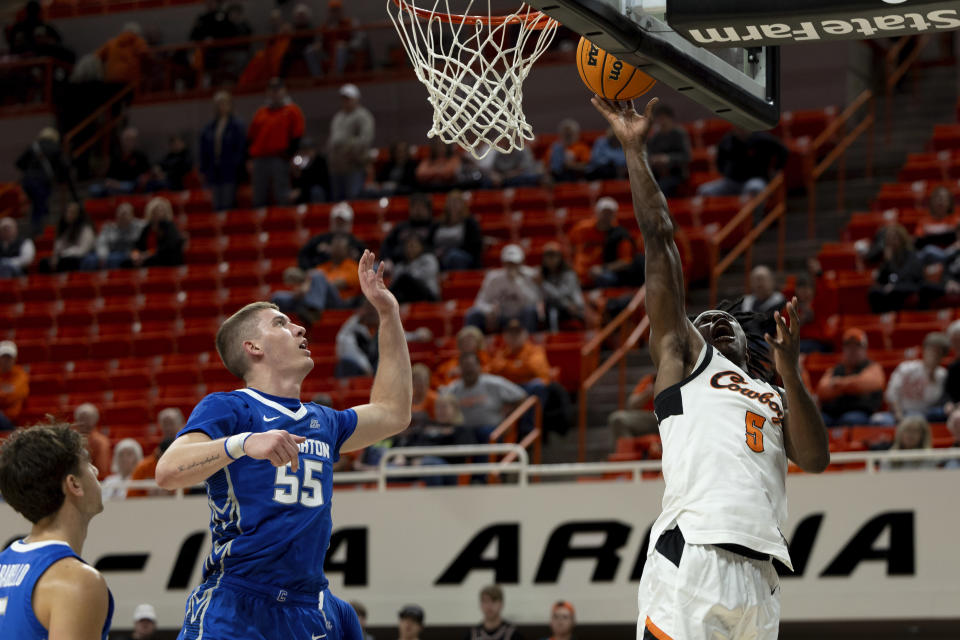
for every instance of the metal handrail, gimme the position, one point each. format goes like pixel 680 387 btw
pixel 509 425
pixel 505 466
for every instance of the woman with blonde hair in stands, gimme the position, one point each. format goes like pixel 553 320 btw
pixel 900 274
pixel 470 339
pixel 127 454
pixel 160 243
pixel 913 433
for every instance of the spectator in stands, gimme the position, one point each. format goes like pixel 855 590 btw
pixel 341 269
pixel 222 152
pixel 562 621
pixel 506 293
pixel 515 169
pixel 14 385
pixel 160 243
pixel 946 291
pixel 348 148
pixel 398 175
pixel 85 419
pixel 274 137
pixel 356 342
pixel 128 170
pixel 813 334
pixel 308 294
pixel 469 340
pixel 168 174
pixel 410 624
pixel 424 398
pixel 16 251
pixel 521 361
pixel 560 287
pixel 853 390
pixel 569 156
pixel 170 421
pixel 484 398
pixel 123 56
pixel 32 37
pixel 416 278
pixel 317 250
pixel 362 617
pixel 127 454
pixel 116 240
pixel 763 297
pixel 937 229
pixel 42 165
pixel 212 24
pixel 900 275
pixel 309 174
pixel 303 48
pixel 144 623
pixel 952 384
pixel 457 239
pixel 916 387
pixel 748 161
pixel 440 169
pixel 604 253
pixel 493 626
pixel 75 240
pixel 668 150
pixel 419 223
pixel 607 160
pixel 638 418
pixel 913 433
pixel 343 45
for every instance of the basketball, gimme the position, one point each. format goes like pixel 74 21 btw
pixel 609 77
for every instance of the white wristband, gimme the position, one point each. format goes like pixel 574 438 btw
pixel 234 445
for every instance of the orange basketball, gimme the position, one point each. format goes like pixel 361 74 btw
pixel 608 76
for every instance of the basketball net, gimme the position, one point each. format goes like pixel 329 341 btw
pixel 473 67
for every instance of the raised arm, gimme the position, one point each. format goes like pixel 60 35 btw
pixel 388 411
pixel 673 339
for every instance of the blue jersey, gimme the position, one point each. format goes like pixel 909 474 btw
pixel 268 524
pixel 21 566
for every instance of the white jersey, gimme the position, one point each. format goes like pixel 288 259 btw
pixel 724 461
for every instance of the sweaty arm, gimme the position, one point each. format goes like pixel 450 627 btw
pixel 805 434
pixel 71 601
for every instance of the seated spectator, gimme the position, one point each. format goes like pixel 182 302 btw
pixel 274 137
pixel 560 287
pixel 74 242
pixel 14 386
pixel 607 160
pixel 309 174
pixel 916 387
pixel 853 390
pixel 419 222
pixel 116 240
pixel 410 623
pixel 457 239
pixel 416 279
pixel 899 276
pixel 485 399
pixel 763 297
pixel 343 45
pixel 568 157
pixel 493 624
pixel 398 175
pixel 308 294
pixel 317 250
pixel 127 454
pixel 358 350
pixel 33 37
pixel 211 24
pixel 440 169
pixel 169 421
pixel 362 617
pixel 128 170
pixel 124 55
pixel 341 269
pixel 348 147
pixel 469 340
pixel 424 398
pixel 604 253
pixel 515 169
pixel 668 151
pixel 85 419
pixel 168 174
pixel 638 418
pixel 43 165
pixel 17 251
pixel 938 227
pixel 952 384
pixel 507 293
pixel 563 619
pixel 160 243
pixel 913 433
pixel 946 290
pixel 302 44
pixel 223 149
pixel 748 161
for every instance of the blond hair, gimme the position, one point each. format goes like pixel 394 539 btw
pixel 912 422
pixel 236 330
pixel 476 333
pixel 453 403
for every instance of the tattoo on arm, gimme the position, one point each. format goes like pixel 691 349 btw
pixel 198 463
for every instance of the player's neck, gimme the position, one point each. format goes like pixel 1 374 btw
pixel 274 384
pixel 67 525
pixel 493 625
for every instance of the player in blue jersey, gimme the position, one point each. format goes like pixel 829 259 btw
pixel 267 460
pixel 46 590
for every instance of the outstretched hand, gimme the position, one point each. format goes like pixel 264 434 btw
pixel 371 283
pixel 786 346
pixel 630 127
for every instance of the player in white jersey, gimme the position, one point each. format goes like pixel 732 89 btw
pixel 726 435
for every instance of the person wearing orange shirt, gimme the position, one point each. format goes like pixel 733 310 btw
pixel 469 340
pixel 638 418
pixel 424 398
pixel 85 419
pixel 853 390
pixel 169 421
pixel 439 170
pixel 14 385
pixel 122 56
pixel 569 156
pixel 604 254
pixel 274 136
pixel 341 269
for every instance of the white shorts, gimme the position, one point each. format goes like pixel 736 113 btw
pixel 703 592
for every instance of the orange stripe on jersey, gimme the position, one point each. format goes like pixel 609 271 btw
pixel 655 631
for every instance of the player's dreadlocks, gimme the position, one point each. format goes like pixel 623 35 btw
pixel 755 325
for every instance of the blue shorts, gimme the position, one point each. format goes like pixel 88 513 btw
pixel 225 608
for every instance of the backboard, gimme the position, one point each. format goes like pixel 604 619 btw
pixel 738 84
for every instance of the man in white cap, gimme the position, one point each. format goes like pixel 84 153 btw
pixel 348 149
pixel 14 385
pixel 603 252
pixel 144 622
pixel 507 293
pixel 317 250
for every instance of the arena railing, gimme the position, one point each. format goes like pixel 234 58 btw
pixel 509 429
pixel 48 67
pixel 104 130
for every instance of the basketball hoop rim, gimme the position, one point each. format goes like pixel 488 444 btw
pixel 534 19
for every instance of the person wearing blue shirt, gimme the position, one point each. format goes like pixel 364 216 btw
pixel 267 461
pixel 46 589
